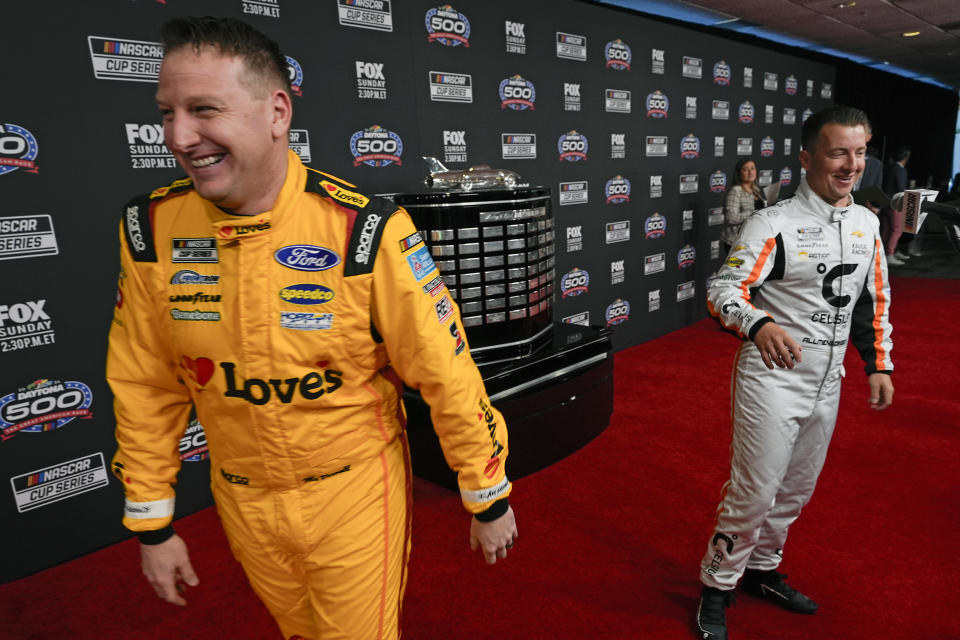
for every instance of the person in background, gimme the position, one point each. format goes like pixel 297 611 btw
pixel 288 308
pixel 895 181
pixel 743 198
pixel 872 174
pixel 805 275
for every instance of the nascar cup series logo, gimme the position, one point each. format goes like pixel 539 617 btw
pixel 447 26
pixel 745 113
pixel 295 74
pixel 786 176
pixel 790 85
pixel 572 146
pixel 376 147
pixel 18 149
pixel 721 73
pixel 517 94
pixel 655 226
pixel 657 105
pixel 617 190
pixel 618 55
pixel 44 405
pixel 574 283
pixel 617 313
pixel 122 59
pixel 718 182
pixel 690 147
pixel 766 147
pixel 686 257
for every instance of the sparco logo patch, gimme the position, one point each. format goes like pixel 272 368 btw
pixel 517 93
pixel 59 482
pixel 447 26
pixel 362 256
pixel 18 149
pixel 44 405
pixel 134 233
pixel 572 146
pixel 306 257
pixel 618 55
pixel 121 59
pixel 27 237
pixel 366 14
pixel 376 147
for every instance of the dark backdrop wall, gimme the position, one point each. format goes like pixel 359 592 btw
pixel 634 124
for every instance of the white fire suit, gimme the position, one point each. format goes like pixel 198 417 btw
pixel 820 273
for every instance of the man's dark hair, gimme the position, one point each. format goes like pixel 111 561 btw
pixel 902 152
pixel 232 37
pixel 837 114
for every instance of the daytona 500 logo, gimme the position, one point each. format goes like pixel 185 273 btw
pixel 572 146
pixel 44 405
pixel 618 55
pixel 517 94
pixel 376 147
pixel 447 26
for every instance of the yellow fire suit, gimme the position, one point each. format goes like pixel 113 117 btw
pixel 290 331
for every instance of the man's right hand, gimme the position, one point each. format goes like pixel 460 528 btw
pixel 167 567
pixel 777 347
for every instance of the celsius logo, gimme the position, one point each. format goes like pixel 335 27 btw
pixel 718 181
pixel 655 226
pixel 617 190
pixel 193 444
pixel 690 147
pixel 618 55
pixel 618 312
pixel 306 293
pixel 686 256
pixel 574 283
pixel 572 146
pixel 447 26
pixel 745 113
pixel 295 74
pixel 766 147
pixel 517 94
pixel 790 85
pixel 786 176
pixel 721 73
pixel 657 105
pixel 44 405
pixel 18 149
pixel 376 147
pixel 307 257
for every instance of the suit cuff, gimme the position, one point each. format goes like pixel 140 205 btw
pixel 494 511
pixel 756 326
pixel 156 537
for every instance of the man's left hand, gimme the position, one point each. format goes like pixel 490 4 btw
pixel 494 538
pixel 881 390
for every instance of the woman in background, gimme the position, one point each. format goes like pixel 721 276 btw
pixel 743 198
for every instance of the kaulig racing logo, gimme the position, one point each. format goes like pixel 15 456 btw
pixel 786 176
pixel 517 94
pixel 790 85
pixel 617 190
pixel 745 113
pixel 686 257
pixel 658 105
pixel 18 149
pixel 767 147
pixel 572 146
pixel 655 226
pixel 618 55
pixel 376 147
pixel 295 74
pixel 617 313
pixel 721 73
pixel 447 26
pixel 44 405
pixel 690 147
pixel 574 283
pixel 718 181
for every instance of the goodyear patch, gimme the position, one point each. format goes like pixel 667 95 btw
pixel 351 198
pixel 411 241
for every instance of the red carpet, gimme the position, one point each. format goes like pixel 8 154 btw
pixel 610 537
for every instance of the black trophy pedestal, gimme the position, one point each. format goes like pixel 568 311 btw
pixel 555 400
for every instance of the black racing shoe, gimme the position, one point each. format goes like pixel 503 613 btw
pixel 711 614
pixel 770 585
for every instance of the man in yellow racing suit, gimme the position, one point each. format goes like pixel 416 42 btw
pixel 290 330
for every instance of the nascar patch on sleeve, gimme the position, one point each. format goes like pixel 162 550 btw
pixel 421 263
pixel 410 241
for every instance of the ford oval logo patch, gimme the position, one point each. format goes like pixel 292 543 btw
pixel 307 257
pixel 306 294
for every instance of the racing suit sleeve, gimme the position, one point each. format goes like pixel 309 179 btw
pixel 150 404
pixel 425 341
pixel 870 330
pixel 756 257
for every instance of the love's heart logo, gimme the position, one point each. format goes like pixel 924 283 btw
pixel 201 368
pixel 322 364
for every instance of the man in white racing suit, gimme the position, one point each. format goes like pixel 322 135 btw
pixel 803 277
